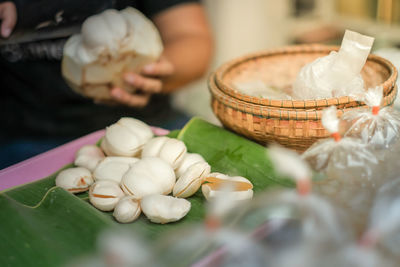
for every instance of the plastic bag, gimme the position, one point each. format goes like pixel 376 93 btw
pixel 337 74
pixel 211 243
pixel 384 221
pixel 350 167
pixel 377 126
pixel 286 218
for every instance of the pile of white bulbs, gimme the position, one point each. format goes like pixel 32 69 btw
pixel 140 171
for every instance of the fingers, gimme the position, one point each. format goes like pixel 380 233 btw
pixel 123 97
pixel 161 68
pixel 148 85
pixel 8 15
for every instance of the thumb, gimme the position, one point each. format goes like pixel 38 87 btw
pixel 8 15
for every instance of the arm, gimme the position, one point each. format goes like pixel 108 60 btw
pixel 188 43
pixel 187 54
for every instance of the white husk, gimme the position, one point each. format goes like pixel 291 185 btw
pixel 289 163
pixel 126 137
pixel 329 119
pixel 88 157
pixel 110 44
pixel 164 209
pixel 148 176
pixel 210 194
pixel 191 180
pixel 127 209
pixel 113 168
pixel 169 149
pixel 74 180
pixel 188 160
pixel 107 188
pixel 153 146
pixel 221 203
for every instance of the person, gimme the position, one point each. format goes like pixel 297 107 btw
pixel 40 111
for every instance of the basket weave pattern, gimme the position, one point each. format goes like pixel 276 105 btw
pixel 293 123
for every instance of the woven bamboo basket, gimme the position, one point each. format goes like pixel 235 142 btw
pixel 293 123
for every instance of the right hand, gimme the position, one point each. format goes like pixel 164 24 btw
pixel 8 16
pixel 149 82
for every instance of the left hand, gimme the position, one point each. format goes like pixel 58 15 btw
pixel 148 82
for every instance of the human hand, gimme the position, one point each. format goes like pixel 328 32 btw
pixel 148 82
pixel 8 16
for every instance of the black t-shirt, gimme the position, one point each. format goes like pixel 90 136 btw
pixel 33 12
pixel 35 100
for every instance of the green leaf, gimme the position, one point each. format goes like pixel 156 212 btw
pixel 231 154
pixel 59 228
pixel 43 225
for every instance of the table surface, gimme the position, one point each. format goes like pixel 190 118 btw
pixel 47 163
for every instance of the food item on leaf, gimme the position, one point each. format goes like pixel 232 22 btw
pixel 75 180
pixel 126 137
pixel 88 157
pixel 337 74
pixel 188 160
pixel 127 209
pixel 169 149
pixel 164 209
pixel 191 180
pixel 154 174
pixel 148 176
pixel 216 184
pixel 105 194
pixel 110 44
pixel 113 168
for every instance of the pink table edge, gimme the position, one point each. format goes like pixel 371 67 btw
pixel 47 163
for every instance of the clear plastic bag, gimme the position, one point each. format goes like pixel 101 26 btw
pixel 384 221
pixel 350 167
pixel 377 126
pixel 356 256
pixel 199 246
pixel 337 74
pixel 284 219
pixel 292 228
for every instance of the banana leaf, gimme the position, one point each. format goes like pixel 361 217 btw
pixel 43 225
pixel 231 154
pixel 58 228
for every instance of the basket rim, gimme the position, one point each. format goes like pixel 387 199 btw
pixel 283 113
pixel 220 72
